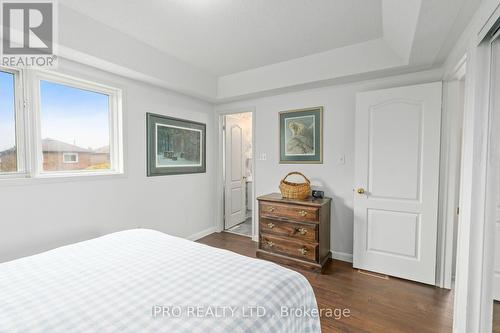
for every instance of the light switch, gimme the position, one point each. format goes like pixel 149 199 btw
pixel 341 159
pixel 262 157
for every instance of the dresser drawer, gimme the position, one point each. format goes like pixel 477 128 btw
pixel 300 231
pixel 292 248
pixel 291 212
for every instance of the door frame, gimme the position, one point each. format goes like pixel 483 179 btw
pixel 475 248
pixel 449 175
pixel 219 211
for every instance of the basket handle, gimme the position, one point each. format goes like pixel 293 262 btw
pixel 296 173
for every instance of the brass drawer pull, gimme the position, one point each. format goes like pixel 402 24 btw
pixel 303 251
pixel 271 209
pixel 270 244
pixel 302 231
pixel 303 213
pixel 270 225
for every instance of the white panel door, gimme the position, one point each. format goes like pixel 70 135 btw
pixel 235 191
pixel 396 181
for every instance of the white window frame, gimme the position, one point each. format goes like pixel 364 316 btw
pixel 70 154
pixel 28 125
pixel 115 123
pixel 20 123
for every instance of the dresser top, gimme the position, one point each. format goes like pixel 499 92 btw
pixel 276 197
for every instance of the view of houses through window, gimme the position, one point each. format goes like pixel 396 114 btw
pixel 74 128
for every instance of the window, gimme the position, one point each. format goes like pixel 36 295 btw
pixel 70 158
pixel 8 142
pixel 74 126
pixel 74 120
pixel 78 126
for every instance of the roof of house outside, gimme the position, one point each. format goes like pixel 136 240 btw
pixel 56 146
pixel 8 151
pixel 102 150
pixel 51 145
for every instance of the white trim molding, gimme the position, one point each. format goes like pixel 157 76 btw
pixel 449 184
pixel 203 233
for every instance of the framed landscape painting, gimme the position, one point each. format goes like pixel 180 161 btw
pixel 175 146
pixel 301 135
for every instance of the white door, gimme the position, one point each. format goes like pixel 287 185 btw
pixel 235 191
pixel 396 181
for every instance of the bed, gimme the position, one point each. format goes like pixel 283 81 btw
pixel 146 281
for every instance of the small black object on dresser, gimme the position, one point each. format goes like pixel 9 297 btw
pixel 318 194
pixel 294 232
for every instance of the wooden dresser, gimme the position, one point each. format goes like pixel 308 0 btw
pixel 294 232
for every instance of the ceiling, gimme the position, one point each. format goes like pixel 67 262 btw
pixel 228 36
pixel 251 46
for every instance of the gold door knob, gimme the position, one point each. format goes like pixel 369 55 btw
pixel 303 251
pixel 302 231
pixel 270 244
pixel 271 209
pixel 270 225
pixel 360 190
pixel 303 213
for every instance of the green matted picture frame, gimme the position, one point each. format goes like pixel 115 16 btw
pixel 174 146
pixel 301 136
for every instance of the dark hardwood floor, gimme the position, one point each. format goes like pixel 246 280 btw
pixel 376 305
pixel 496 317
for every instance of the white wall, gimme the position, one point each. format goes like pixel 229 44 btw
pixel 338 127
pixel 37 215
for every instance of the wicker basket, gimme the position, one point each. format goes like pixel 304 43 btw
pixel 291 190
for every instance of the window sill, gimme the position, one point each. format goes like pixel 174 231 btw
pixel 63 177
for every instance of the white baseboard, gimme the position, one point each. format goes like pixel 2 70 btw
pixel 203 233
pixel 342 256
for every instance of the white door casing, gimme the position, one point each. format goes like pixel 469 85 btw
pixel 397 167
pixel 496 105
pixel 235 191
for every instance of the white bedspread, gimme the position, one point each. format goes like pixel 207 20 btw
pixel 146 281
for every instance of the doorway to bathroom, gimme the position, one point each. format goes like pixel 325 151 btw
pixel 238 173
